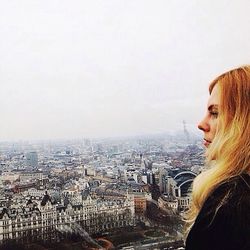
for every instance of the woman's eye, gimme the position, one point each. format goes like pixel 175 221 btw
pixel 214 114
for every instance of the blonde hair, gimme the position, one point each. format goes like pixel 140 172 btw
pixel 228 154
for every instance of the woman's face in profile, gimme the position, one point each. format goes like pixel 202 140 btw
pixel 209 123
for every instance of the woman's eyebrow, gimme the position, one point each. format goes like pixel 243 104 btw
pixel 213 106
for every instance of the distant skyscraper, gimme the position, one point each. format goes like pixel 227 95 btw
pixel 32 159
pixel 162 179
pixel 86 142
pixel 186 132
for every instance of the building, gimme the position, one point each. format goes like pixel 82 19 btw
pixel 140 203
pixel 168 203
pixel 131 175
pixel 45 219
pixel 147 177
pixel 140 200
pixel 32 159
pixel 176 185
pixel 26 176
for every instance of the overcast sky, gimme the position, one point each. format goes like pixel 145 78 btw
pixel 113 68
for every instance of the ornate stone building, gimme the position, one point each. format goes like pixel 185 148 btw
pixel 48 221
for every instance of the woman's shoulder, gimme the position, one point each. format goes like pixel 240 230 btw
pixel 237 186
pixel 224 220
pixel 232 196
pixel 239 182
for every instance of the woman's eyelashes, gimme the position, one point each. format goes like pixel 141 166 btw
pixel 214 113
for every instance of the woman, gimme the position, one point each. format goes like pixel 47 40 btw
pixel 220 210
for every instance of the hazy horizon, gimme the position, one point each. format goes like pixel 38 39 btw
pixel 174 134
pixel 113 68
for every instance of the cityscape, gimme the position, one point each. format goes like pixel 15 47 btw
pixel 113 193
pixel 100 102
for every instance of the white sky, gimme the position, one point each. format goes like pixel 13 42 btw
pixel 113 68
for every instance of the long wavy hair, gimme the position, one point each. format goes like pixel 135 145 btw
pixel 228 154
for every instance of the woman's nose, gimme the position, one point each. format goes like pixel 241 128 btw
pixel 203 125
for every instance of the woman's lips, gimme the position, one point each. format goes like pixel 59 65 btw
pixel 206 142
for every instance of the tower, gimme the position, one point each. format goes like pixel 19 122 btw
pixel 186 132
pixel 32 159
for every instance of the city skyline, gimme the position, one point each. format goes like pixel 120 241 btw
pixel 116 68
pixel 91 192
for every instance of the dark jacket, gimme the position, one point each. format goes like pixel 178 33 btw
pixel 223 223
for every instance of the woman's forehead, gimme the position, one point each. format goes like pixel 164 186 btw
pixel 214 98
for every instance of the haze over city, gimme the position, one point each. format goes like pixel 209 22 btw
pixel 113 68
